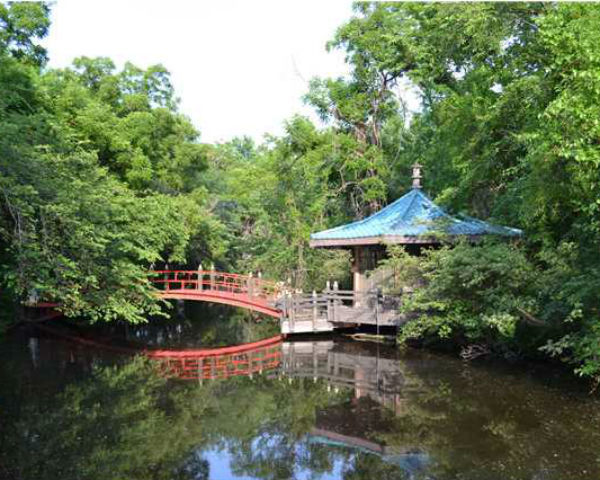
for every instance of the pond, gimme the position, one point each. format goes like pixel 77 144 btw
pixel 80 404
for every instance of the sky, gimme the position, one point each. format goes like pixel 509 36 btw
pixel 239 67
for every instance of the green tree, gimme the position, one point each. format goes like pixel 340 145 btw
pixel 276 198
pixel 71 230
pixel 22 24
pixel 507 132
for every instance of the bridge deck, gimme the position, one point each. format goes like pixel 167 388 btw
pixel 241 300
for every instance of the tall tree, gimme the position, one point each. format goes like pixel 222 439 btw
pixel 71 230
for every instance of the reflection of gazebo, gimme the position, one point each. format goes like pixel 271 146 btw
pixel 413 220
pixel 410 460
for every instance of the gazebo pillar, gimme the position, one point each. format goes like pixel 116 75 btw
pixel 358 280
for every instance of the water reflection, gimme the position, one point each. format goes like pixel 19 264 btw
pixel 322 409
pixel 219 326
pixel 345 364
pixel 219 363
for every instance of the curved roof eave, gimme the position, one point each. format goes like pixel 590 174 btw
pixel 412 219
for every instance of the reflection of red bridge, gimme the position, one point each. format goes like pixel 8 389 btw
pixel 225 362
pixel 210 286
pixel 207 363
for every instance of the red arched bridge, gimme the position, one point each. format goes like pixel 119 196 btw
pixel 245 291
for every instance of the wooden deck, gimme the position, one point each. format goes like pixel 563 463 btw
pixel 325 311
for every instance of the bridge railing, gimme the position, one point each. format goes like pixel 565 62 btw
pixel 214 281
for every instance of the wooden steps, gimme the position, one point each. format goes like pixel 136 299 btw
pixel 306 326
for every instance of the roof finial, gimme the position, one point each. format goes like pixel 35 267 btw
pixel 416 175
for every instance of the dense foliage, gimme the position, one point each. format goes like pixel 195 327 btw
pixel 509 132
pixel 93 164
pixel 102 177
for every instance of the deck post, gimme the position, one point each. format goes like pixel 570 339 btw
pixel 250 285
pixel 377 295
pixel 288 306
pixel 284 308
pixel 212 277
pixel 258 288
pixel 288 309
pixel 292 313
pixel 199 277
pixel 328 299
pixel 314 315
pixel 335 301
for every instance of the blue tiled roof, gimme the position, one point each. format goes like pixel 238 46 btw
pixel 412 215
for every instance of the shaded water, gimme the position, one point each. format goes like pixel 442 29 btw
pixel 329 408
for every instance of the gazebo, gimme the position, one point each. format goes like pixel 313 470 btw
pixel 413 221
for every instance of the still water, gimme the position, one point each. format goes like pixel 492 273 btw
pixel 81 405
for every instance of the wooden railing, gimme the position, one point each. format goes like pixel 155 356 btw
pixel 337 307
pixel 304 306
pixel 213 280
